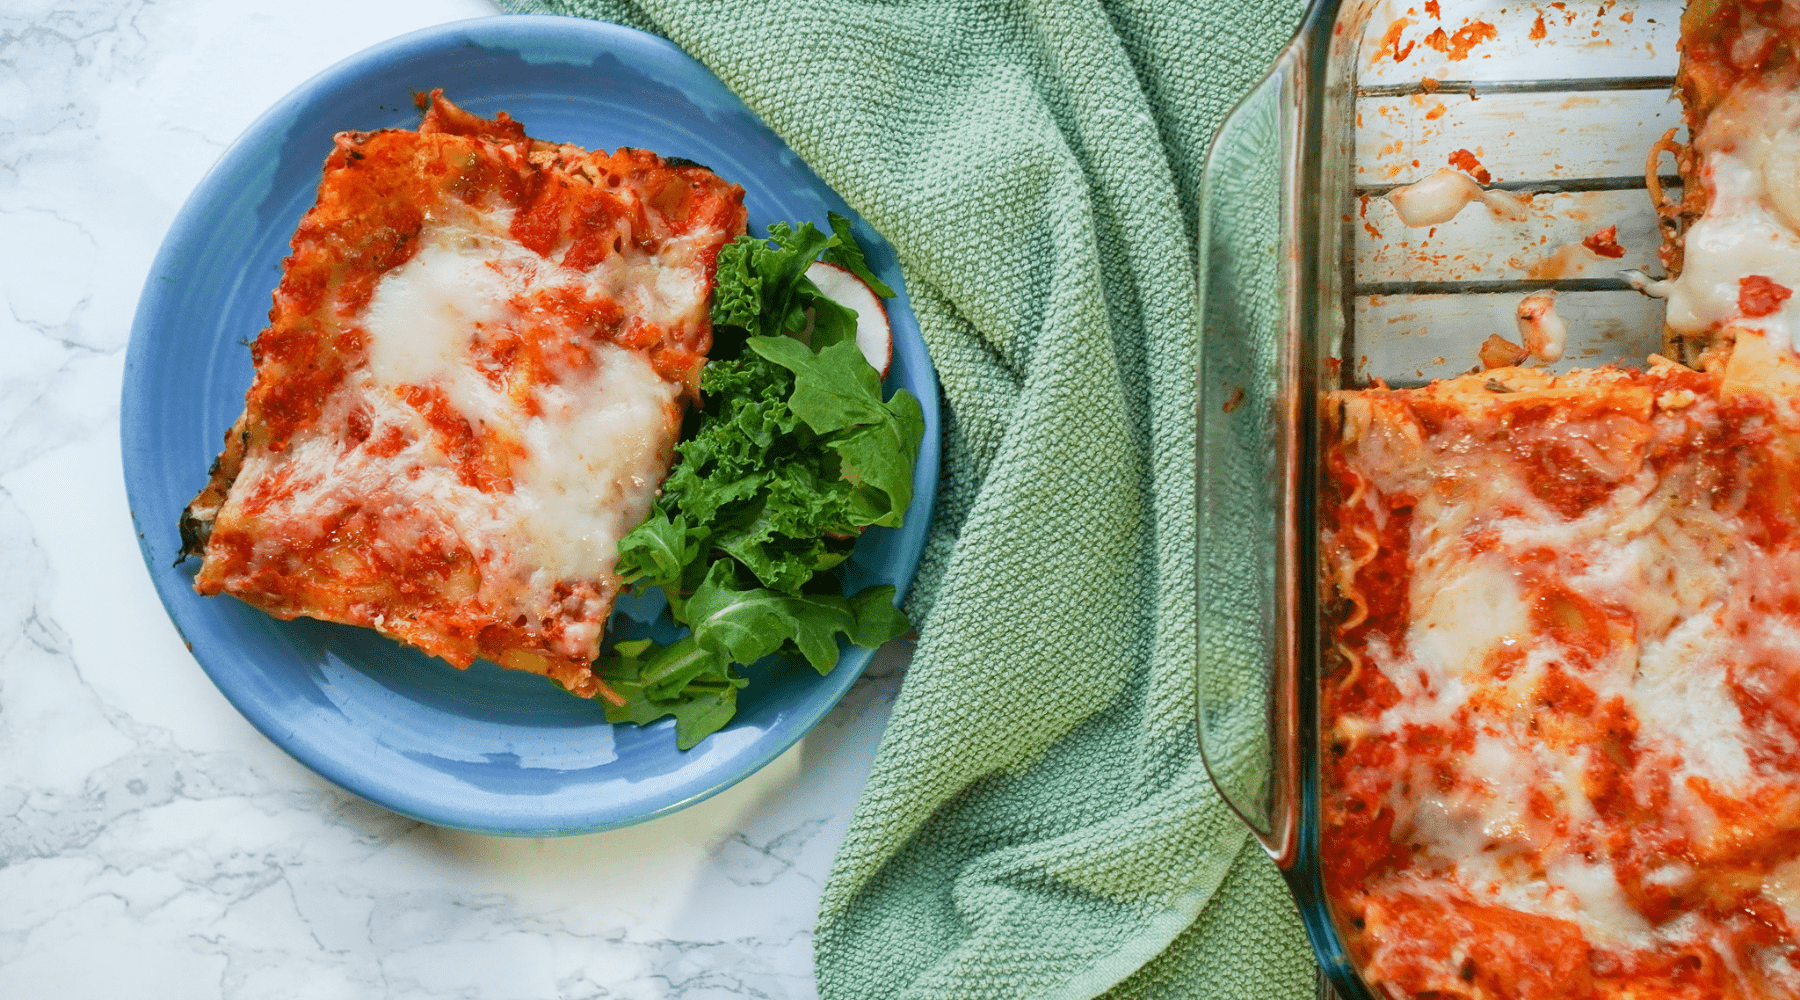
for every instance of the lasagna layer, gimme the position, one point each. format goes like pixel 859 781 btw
pixel 1562 755
pixel 469 390
pixel 1732 241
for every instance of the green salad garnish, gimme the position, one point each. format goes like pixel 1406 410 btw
pixel 793 453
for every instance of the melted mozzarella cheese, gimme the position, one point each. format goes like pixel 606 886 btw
pixel 1750 160
pixel 1783 886
pixel 591 441
pixel 1665 565
pixel 1680 700
pixel 583 444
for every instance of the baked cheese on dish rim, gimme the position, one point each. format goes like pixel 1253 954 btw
pixel 469 390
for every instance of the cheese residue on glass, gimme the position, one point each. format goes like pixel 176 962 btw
pixel 1438 198
pixel 1544 333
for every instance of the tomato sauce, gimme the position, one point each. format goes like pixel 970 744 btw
pixel 296 541
pixel 1408 923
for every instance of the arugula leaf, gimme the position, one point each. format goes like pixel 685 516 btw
pixel 742 623
pixel 832 323
pixel 877 619
pixel 832 390
pixel 794 452
pixel 847 254
pixel 786 272
pixel 838 395
pixel 658 550
pixel 749 623
pixel 702 705
pixel 867 619
pixel 880 459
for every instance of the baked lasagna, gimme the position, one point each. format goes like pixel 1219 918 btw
pixel 1561 701
pixel 469 390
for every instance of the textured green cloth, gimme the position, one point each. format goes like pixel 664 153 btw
pixel 1038 823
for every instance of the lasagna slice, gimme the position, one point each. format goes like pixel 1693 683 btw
pixel 469 390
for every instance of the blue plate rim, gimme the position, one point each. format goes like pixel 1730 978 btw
pixel 499 31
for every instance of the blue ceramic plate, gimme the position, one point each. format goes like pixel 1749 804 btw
pixel 485 750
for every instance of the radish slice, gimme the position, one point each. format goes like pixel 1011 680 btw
pixel 873 335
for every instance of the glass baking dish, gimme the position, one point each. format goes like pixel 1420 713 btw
pixel 1310 283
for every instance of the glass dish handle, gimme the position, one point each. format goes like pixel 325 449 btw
pixel 1251 458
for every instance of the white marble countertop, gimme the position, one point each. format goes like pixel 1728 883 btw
pixel 153 844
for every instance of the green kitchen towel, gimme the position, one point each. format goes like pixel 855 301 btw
pixel 1037 823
